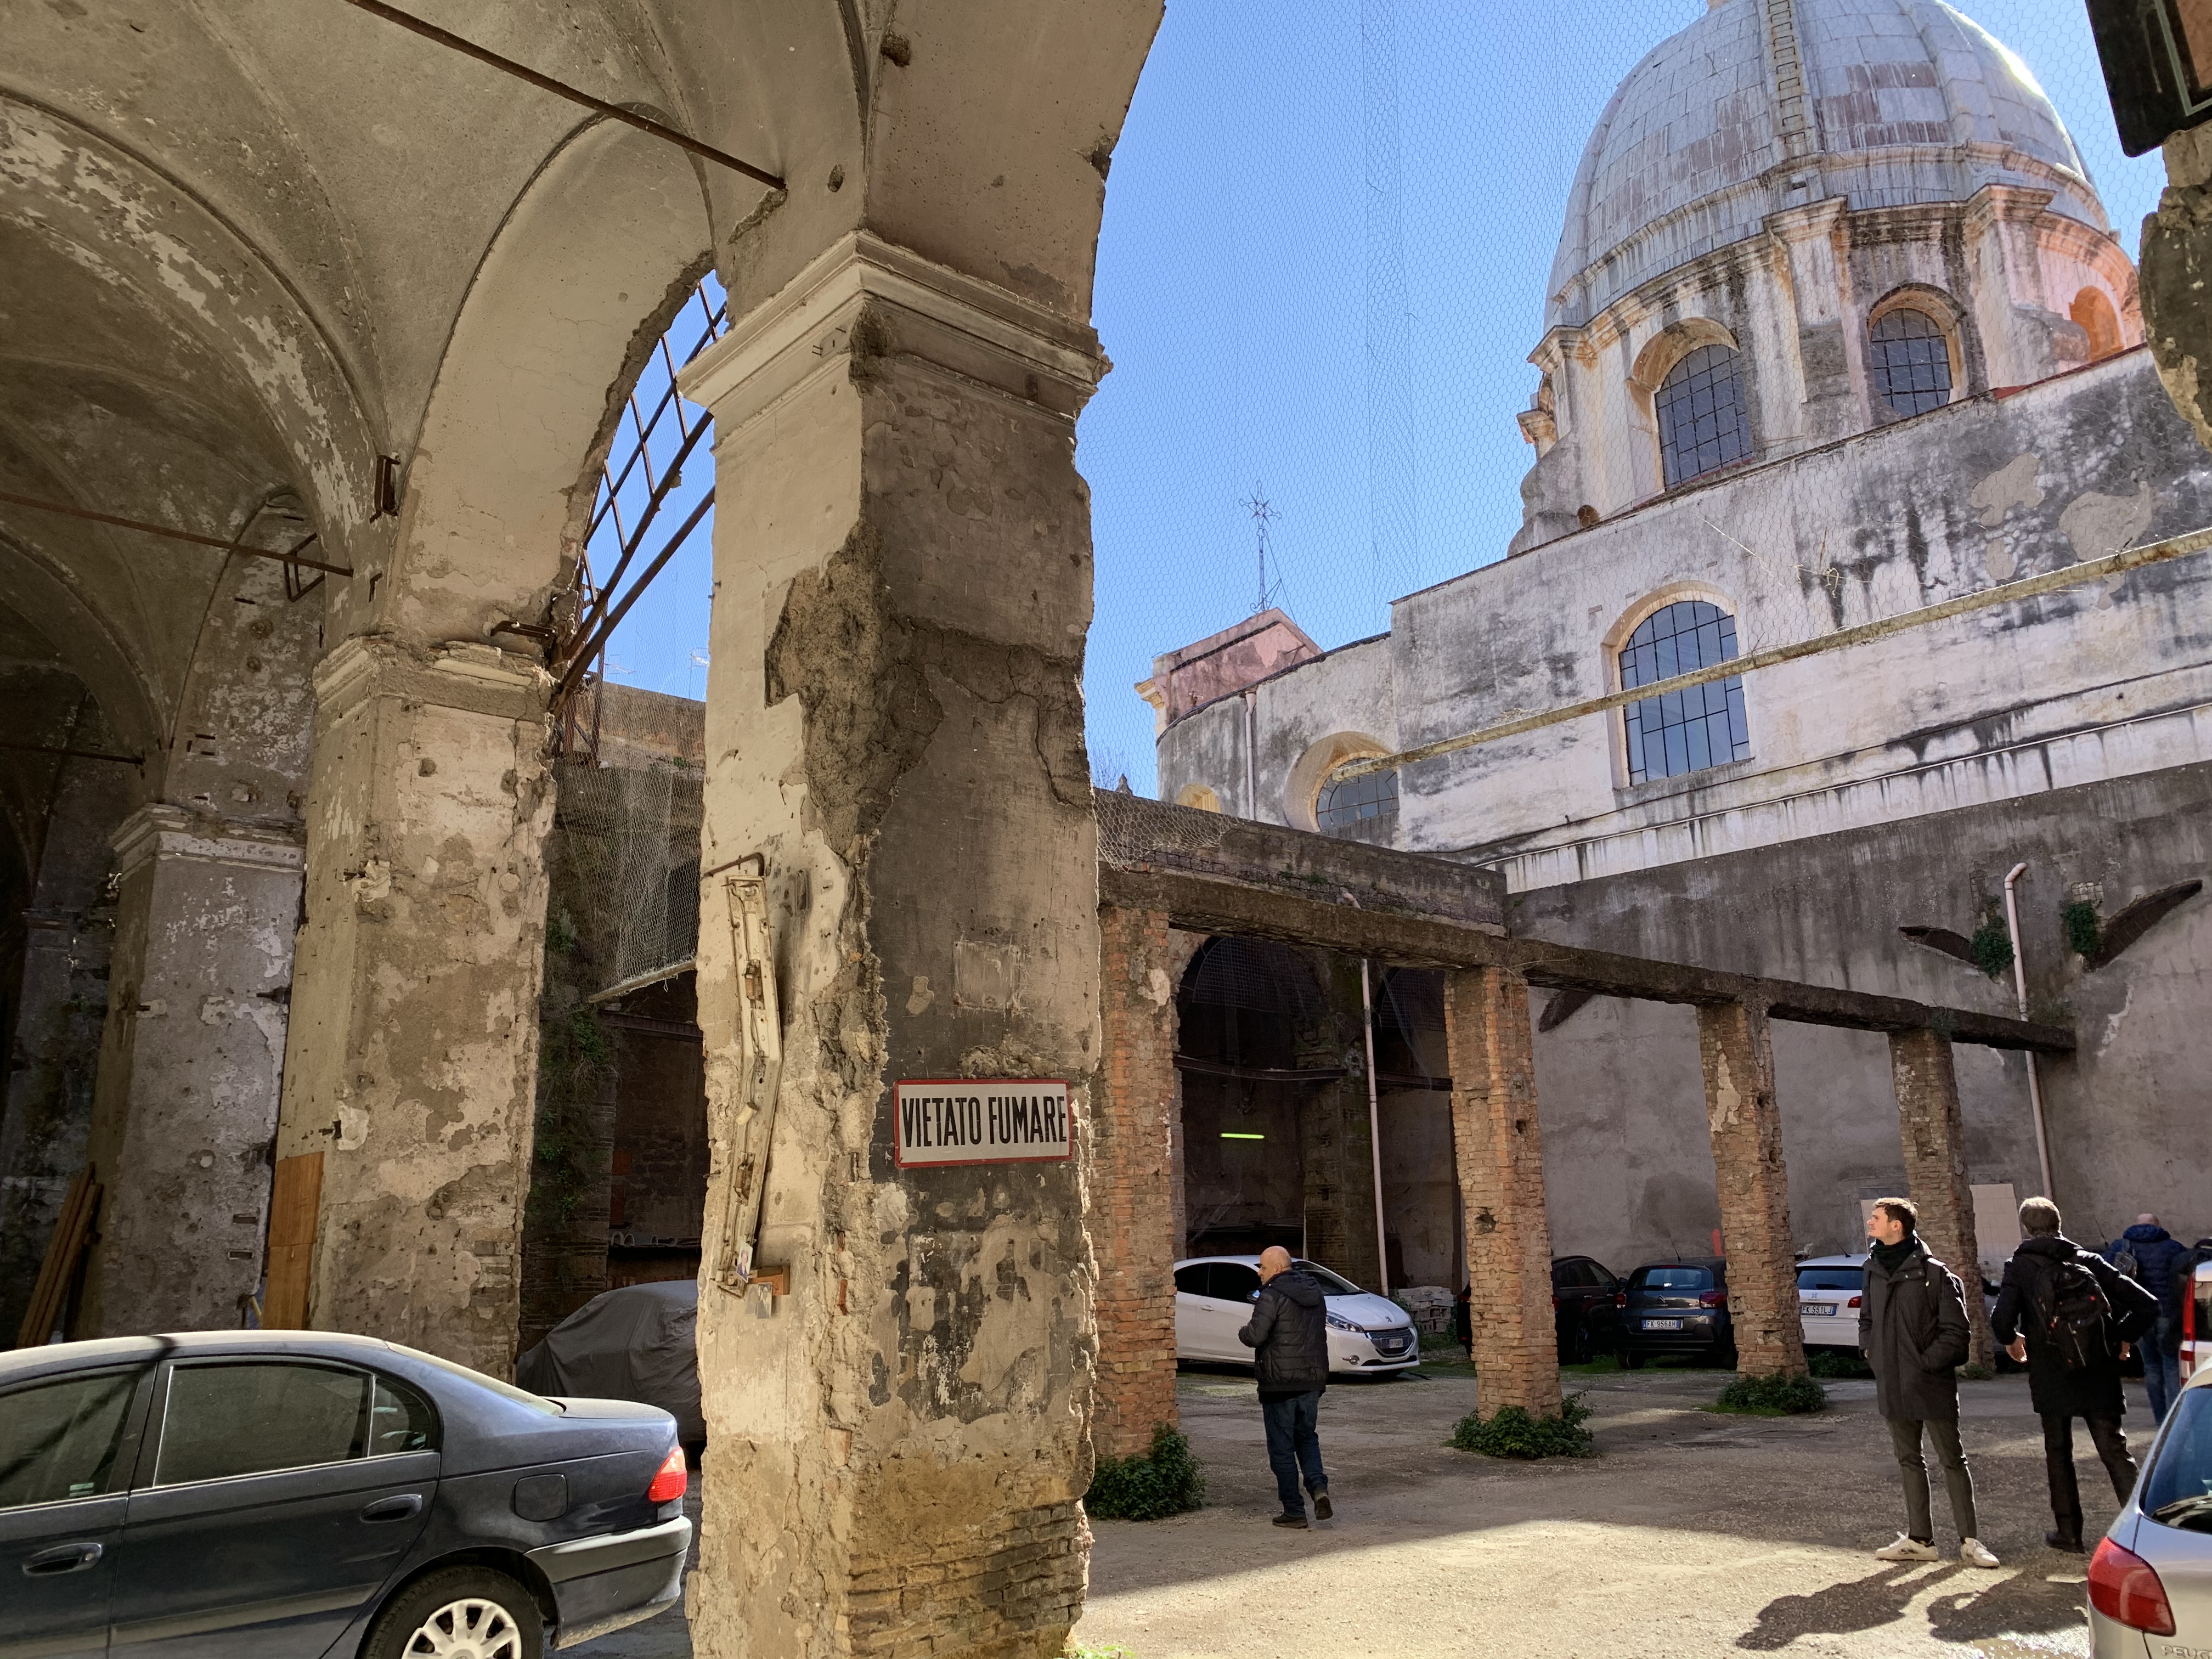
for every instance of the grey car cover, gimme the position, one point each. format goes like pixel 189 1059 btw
pixel 637 1342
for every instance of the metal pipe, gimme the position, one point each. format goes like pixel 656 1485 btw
pixel 231 546
pixel 2020 994
pixel 77 754
pixel 1374 1116
pixel 1251 754
pixel 559 89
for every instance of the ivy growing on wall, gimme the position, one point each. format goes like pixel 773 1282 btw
pixel 2085 933
pixel 1991 945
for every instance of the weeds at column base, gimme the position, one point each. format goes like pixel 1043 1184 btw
pixel 1513 1432
pixel 1147 1485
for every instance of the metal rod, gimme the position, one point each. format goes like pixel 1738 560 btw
pixel 2051 581
pixel 546 83
pixel 1374 1115
pixel 598 642
pixel 79 754
pixel 217 542
pixel 2020 993
pixel 587 621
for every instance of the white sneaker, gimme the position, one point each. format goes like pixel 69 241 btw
pixel 1906 1549
pixel 1975 1553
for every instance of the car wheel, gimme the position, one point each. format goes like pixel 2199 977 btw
pixel 460 1612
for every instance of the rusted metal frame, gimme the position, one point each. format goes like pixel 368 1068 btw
pixel 596 643
pixel 588 619
pixel 2051 581
pixel 75 753
pixel 231 545
pixel 561 90
pixel 641 454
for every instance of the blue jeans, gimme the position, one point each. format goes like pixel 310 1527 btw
pixel 1293 1447
pixel 2161 1359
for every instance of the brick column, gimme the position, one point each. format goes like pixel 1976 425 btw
pixel 1501 1179
pixel 1738 1052
pixel 1131 1210
pixel 1935 1168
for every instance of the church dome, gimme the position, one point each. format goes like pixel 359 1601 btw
pixel 1762 105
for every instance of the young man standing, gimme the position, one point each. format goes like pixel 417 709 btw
pixel 1913 1331
pixel 1289 1337
pixel 2070 1314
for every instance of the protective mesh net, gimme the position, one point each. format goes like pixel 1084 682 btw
pixel 628 846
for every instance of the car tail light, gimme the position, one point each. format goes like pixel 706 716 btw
pixel 1712 1298
pixel 1621 1298
pixel 1854 1302
pixel 2125 1589
pixel 669 1484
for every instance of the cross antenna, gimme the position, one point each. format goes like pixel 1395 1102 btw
pixel 1262 516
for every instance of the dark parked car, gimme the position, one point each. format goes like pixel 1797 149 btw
pixel 1676 1307
pixel 291 1494
pixel 634 1342
pixel 1584 1291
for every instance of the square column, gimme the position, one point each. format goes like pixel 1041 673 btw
pixel 409 1080
pixel 1920 1064
pixel 184 1104
pixel 1500 1151
pixel 898 1444
pixel 1736 1046
pixel 1133 1178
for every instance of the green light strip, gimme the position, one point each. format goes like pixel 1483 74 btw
pixel 1227 1135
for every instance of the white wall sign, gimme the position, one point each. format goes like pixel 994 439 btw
pixel 981 1121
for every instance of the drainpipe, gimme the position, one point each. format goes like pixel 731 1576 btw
pixel 2020 994
pixel 1374 1116
pixel 1251 754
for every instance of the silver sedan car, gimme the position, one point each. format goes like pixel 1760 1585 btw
pixel 2151 1581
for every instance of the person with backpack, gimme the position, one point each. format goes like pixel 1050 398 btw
pixel 2070 1314
pixel 2151 1256
pixel 1913 1331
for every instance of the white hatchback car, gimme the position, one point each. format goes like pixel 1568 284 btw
pixel 1830 1290
pixel 2151 1581
pixel 1367 1334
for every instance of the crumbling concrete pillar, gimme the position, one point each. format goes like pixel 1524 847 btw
pixel 1500 1151
pixel 894 731
pixel 1737 1048
pixel 1935 1168
pixel 2176 264
pixel 184 1106
pixel 409 1080
pixel 1131 1215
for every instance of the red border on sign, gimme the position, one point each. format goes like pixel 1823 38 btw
pixel 976 1162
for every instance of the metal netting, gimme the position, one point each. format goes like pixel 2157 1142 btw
pixel 630 842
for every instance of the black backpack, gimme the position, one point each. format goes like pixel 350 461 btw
pixel 2075 1313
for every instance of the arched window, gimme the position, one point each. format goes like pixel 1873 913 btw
pixel 1700 409
pixel 1199 796
pixel 1683 731
pixel 2093 311
pixel 1909 357
pixel 1365 807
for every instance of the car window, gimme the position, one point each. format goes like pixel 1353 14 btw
pixel 1582 1276
pixel 1831 1279
pixel 58 1440
pixel 231 1419
pixel 1191 1280
pixel 1331 1284
pixel 2177 1489
pixel 1671 1278
pixel 507 1391
pixel 400 1420
pixel 1232 1281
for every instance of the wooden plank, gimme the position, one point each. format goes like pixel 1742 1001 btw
pixel 294 1206
pixel 72 1230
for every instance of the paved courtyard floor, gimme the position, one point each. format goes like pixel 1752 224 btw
pixel 1693 1533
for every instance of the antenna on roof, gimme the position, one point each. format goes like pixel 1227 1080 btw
pixel 1262 516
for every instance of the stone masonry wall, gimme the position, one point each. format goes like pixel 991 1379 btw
pixel 1736 1047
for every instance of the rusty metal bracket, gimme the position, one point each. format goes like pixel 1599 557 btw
pixel 760 1071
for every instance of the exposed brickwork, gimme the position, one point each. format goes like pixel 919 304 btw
pixel 1501 1178
pixel 1936 1167
pixel 1133 1176
pixel 1736 1046
pixel 1009 1590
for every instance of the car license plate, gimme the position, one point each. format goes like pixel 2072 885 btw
pixel 1826 1308
pixel 1663 1324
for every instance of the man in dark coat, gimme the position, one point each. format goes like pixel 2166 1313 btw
pixel 1289 1337
pixel 2157 1257
pixel 1912 1329
pixel 2061 1390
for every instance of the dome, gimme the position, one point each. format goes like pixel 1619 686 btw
pixel 1901 102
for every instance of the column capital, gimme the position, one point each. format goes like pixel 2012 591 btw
pixel 480 679
pixel 864 297
pixel 161 830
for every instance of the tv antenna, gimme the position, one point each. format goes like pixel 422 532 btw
pixel 1262 516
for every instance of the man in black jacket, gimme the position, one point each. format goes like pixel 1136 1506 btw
pixel 1912 1329
pixel 2040 1309
pixel 1289 1335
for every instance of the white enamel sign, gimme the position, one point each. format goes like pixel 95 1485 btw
pixel 981 1121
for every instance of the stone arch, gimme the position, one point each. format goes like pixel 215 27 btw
pixel 1654 362
pixel 1311 770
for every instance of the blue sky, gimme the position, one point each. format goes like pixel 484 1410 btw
pixel 1234 276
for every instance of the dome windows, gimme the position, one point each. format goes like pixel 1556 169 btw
pixel 1363 807
pixel 1683 731
pixel 1700 408
pixel 1908 360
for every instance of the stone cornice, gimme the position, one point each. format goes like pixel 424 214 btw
pixel 944 317
pixel 481 679
pixel 160 830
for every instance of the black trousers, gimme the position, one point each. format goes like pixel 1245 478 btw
pixel 1294 1448
pixel 2111 1443
pixel 1905 1437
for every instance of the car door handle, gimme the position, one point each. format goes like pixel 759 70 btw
pixel 63 1558
pixel 394 1509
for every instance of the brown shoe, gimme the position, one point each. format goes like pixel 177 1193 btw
pixel 1298 1521
pixel 1323 1508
